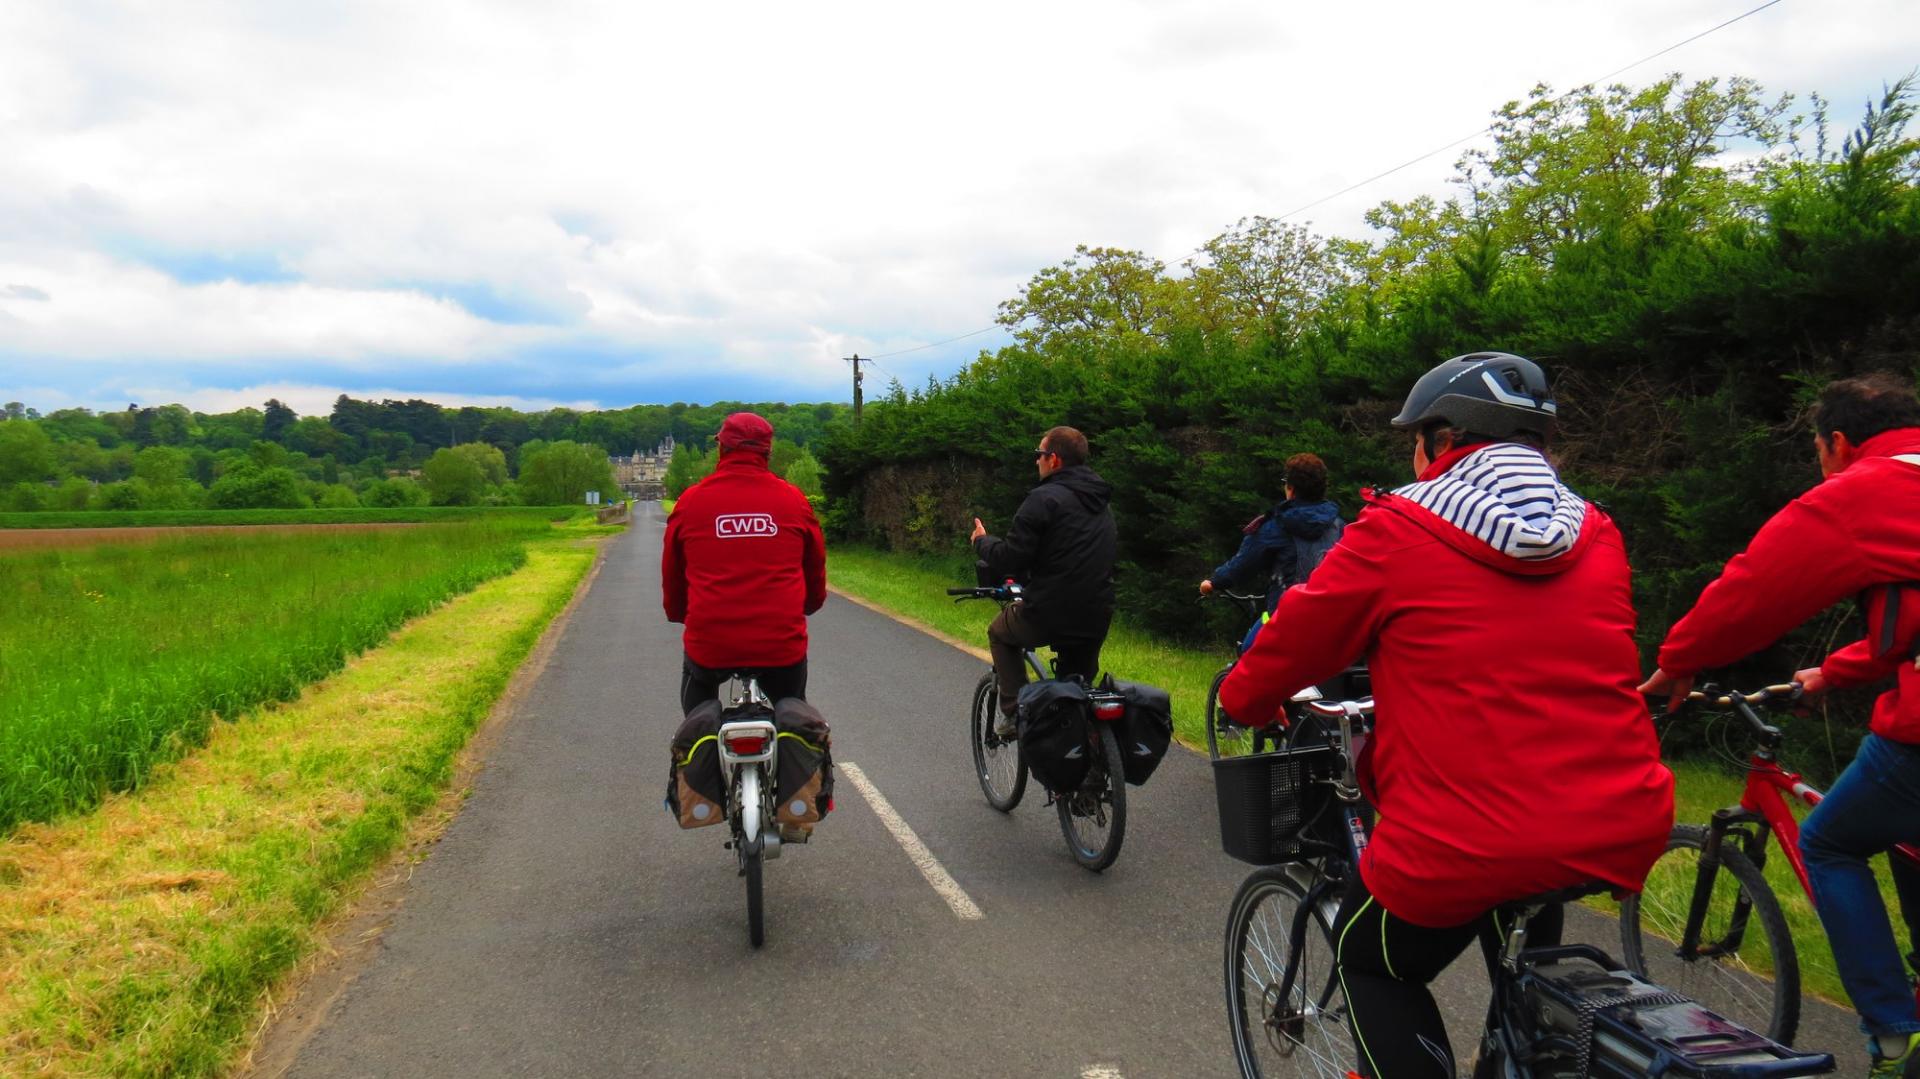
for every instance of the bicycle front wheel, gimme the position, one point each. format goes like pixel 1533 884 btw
pixel 997 762
pixel 1221 731
pixel 1303 1031
pixel 756 905
pixel 1094 818
pixel 1744 966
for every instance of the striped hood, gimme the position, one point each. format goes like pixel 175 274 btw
pixel 1508 497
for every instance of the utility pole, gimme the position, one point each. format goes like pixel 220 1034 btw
pixel 857 376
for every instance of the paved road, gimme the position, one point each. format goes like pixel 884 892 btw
pixel 566 927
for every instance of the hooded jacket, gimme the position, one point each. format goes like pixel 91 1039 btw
pixel 1273 543
pixel 1511 755
pixel 743 565
pixel 1852 534
pixel 1061 548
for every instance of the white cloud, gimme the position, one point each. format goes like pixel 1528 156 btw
pixel 736 191
pixel 308 400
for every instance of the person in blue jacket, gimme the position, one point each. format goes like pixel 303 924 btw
pixel 1284 544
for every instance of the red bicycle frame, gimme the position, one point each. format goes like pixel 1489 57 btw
pixel 1768 787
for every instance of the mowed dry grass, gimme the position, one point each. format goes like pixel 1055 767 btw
pixel 142 939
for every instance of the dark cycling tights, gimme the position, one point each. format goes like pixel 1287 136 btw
pixel 699 683
pixel 1385 966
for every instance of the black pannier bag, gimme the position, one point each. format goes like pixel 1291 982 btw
pixel 1056 733
pixel 696 789
pixel 1145 730
pixel 805 783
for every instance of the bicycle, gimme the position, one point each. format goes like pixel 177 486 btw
pixel 1093 818
pixel 749 751
pixel 1217 725
pixel 1713 954
pixel 1294 808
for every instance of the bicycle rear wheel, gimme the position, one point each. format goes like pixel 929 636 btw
pixel 1744 967
pixel 997 762
pixel 1094 818
pixel 1306 1033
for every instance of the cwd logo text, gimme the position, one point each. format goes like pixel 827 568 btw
pixel 738 525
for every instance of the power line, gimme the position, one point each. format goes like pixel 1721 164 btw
pixel 1489 127
pixel 948 341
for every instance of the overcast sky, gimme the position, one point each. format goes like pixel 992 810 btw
pixel 601 204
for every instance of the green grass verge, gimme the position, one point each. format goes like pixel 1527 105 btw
pixel 114 657
pixel 143 939
pixel 363 515
pixel 914 588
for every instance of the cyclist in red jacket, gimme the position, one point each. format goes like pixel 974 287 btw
pixel 743 566
pixel 1856 533
pixel 1512 756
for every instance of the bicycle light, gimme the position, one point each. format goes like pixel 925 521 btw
pixel 1109 711
pixel 746 743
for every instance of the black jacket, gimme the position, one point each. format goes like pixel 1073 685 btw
pixel 1061 547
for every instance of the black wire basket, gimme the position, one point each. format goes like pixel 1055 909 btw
pixel 1275 806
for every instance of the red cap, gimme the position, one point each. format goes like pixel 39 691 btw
pixel 746 431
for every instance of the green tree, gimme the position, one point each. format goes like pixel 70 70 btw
pixel 561 473
pixel 278 420
pixel 684 469
pixel 13 410
pixel 804 473
pixel 336 496
pixel 26 453
pixel 249 486
pixel 161 467
pixel 488 459
pixel 392 493
pixel 1102 296
pixel 454 479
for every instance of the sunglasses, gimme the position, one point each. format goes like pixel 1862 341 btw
pixel 1037 454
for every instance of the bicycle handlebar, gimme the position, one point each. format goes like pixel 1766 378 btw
pixel 1362 708
pixel 1782 695
pixel 1786 693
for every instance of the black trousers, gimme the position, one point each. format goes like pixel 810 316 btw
pixel 1385 966
pixel 699 684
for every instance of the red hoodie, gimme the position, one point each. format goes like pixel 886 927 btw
pixel 1857 530
pixel 743 565
pixel 1511 755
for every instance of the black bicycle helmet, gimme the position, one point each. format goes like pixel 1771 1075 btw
pixel 1496 394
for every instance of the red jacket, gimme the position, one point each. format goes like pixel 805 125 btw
pixel 1511 754
pixel 1859 529
pixel 744 564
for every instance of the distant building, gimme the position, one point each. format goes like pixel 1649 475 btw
pixel 643 475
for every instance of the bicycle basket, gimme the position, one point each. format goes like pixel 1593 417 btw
pixel 1271 802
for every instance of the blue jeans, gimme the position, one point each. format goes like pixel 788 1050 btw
pixel 1875 804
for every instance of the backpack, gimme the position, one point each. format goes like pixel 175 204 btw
pixel 1308 554
pixel 696 789
pixel 1145 730
pixel 804 785
pixel 1056 733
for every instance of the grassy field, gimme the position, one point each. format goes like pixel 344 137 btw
pixel 913 587
pixel 115 657
pixel 364 515
pixel 144 939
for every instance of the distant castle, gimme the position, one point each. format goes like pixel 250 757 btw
pixel 643 475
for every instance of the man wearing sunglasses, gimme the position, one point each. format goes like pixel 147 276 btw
pixel 1061 549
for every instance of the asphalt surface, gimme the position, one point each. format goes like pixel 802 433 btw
pixel 565 926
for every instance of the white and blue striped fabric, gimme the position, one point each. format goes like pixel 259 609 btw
pixel 1510 498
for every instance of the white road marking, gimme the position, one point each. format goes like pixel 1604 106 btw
pixel 1101 1071
pixel 917 851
